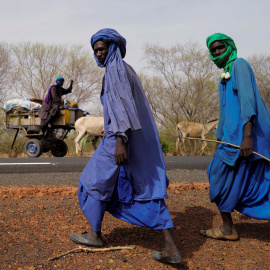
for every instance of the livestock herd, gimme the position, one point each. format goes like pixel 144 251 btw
pixel 94 126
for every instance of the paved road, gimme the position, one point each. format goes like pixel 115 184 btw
pixel 76 164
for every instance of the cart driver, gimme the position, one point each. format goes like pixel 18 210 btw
pixel 50 106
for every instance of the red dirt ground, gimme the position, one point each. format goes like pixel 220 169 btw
pixel 35 223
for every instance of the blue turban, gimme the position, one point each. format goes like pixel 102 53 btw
pixel 120 102
pixel 117 42
pixel 59 79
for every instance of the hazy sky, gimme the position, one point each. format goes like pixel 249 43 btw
pixel 139 21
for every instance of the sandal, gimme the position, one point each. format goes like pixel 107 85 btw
pixel 158 256
pixel 216 233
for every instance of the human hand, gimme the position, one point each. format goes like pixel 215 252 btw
pixel 102 132
pixel 120 153
pixel 71 82
pixel 246 147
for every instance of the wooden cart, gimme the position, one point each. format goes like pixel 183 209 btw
pixel 28 122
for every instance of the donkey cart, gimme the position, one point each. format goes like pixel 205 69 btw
pixel 27 121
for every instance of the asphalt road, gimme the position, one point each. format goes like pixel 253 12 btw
pixel 76 164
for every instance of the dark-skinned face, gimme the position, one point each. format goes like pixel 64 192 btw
pixel 101 51
pixel 217 48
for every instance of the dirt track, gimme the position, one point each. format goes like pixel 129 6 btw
pixel 35 223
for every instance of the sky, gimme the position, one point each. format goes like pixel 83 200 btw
pixel 160 22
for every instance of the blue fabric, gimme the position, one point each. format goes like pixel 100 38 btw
pixel 59 79
pixel 244 187
pixel 152 214
pixel 124 187
pixel 120 102
pixel 145 168
pixel 93 210
pixel 114 38
pixel 240 101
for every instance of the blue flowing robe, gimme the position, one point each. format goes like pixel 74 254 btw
pixel 237 183
pixel 145 169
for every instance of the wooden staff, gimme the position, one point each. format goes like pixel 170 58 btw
pixel 237 146
pixel 62 71
pixel 91 250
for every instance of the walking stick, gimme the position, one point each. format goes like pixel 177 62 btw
pixel 237 146
pixel 61 71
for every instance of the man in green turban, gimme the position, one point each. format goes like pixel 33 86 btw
pixel 239 179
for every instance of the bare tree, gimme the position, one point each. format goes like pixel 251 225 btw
pixel 38 65
pixel 33 72
pixel 81 66
pixel 5 71
pixel 184 84
pixel 261 68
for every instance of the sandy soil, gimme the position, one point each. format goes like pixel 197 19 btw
pixel 35 223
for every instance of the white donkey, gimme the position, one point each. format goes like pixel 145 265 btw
pixel 88 126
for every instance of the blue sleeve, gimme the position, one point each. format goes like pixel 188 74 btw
pixel 243 81
pixel 219 132
pixel 122 134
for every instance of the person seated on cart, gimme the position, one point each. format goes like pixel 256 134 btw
pixel 50 106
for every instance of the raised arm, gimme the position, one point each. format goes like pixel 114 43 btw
pixel 68 90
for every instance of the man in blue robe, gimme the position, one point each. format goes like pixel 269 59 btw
pixel 126 175
pixel 238 178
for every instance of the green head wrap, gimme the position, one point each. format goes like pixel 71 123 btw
pixel 227 58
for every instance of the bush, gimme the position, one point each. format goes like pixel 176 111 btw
pixel 6 138
pixel 86 144
pixel 167 146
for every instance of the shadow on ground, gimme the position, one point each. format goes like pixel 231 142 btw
pixel 185 233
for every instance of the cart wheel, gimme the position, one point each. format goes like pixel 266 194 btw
pixel 59 148
pixel 33 148
pixel 46 145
